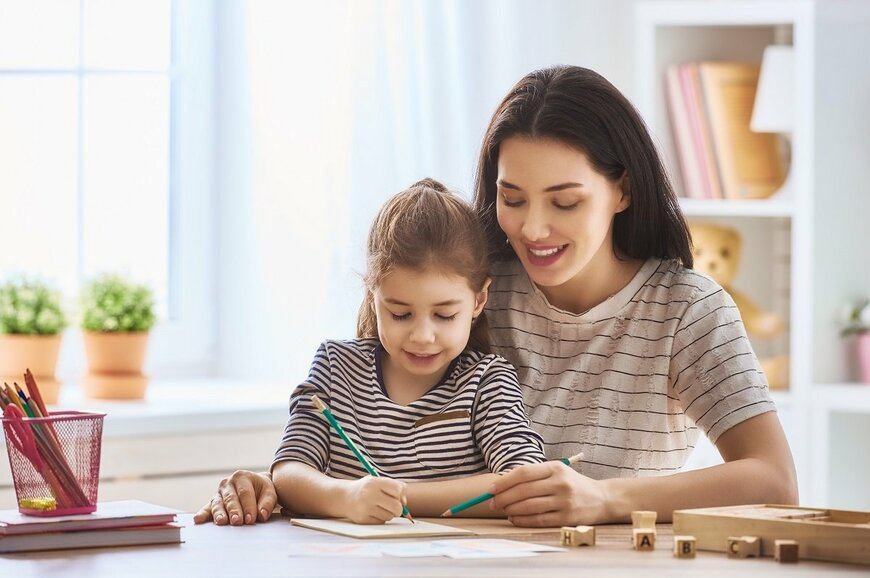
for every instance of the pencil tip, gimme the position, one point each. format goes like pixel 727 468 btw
pixel 447 514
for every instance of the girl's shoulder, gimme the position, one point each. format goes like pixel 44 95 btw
pixel 345 347
pixel 479 363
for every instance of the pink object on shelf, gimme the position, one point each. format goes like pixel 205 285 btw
pixel 54 460
pixel 864 355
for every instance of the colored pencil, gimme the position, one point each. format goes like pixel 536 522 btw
pixel 337 427
pixel 487 496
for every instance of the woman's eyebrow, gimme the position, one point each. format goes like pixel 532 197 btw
pixel 552 189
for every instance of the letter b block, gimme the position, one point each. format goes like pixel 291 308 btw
pixel 684 546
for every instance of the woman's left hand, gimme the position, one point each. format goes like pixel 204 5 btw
pixel 549 494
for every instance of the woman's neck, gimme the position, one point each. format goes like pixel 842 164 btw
pixel 597 282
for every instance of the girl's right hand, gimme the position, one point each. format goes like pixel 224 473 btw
pixel 372 500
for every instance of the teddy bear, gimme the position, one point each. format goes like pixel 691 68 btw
pixel 716 250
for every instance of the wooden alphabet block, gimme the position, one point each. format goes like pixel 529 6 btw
pixel 643 519
pixel 785 551
pixel 684 546
pixel 578 536
pixel 644 539
pixel 743 546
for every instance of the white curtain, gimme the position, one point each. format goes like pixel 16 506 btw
pixel 327 108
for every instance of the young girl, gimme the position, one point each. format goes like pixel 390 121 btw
pixel 418 392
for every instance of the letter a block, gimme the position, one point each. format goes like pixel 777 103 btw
pixel 743 547
pixel 785 550
pixel 684 546
pixel 644 539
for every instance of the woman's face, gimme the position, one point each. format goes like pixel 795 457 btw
pixel 555 209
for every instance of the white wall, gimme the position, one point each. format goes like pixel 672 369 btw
pixel 842 199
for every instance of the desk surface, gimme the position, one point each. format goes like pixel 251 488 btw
pixel 261 550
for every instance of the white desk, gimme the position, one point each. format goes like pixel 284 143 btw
pixel 215 552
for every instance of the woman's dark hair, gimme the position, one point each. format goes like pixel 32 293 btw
pixel 422 228
pixel 582 109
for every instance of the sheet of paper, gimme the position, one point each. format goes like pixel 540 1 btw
pixel 496 545
pixel 457 549
pixel 336 549
pixel 395 528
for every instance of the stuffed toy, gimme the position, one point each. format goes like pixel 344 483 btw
pixel 716 250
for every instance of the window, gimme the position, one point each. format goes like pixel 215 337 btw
pixel 92 125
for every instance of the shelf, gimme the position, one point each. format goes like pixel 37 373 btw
pixel 843 397
pixel 725 208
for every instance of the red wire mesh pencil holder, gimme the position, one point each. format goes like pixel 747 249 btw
pixel 55 462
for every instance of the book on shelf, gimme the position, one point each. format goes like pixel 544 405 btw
pixel 120 514
pixel 129 536
pixel 710 106
pixel 694 186
pixel 749 163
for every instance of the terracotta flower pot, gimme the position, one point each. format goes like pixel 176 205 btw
pixel 115 352
pixel 115 363
pixel 36 352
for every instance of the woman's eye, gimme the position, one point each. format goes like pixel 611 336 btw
pixel 446 317
pixel 401 317
pixel 511 202
pixel 566 207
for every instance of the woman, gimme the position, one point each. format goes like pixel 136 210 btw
pixel 622 350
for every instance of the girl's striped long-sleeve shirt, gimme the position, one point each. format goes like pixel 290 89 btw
pixel 471 422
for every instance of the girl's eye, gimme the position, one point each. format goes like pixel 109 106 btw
pixel 402 317
pixel 446 317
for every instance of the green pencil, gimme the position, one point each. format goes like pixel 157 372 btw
pixel 337 427
pixel 484 497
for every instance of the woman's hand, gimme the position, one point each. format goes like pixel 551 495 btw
pixel 374 500
pixel 243 498
pixel 549 494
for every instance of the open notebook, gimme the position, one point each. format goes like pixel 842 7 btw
pixel 395 528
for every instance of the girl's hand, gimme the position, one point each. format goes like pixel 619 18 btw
pixel 549 494
pixel 374 500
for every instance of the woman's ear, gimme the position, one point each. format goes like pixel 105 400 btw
pixel 481 297
pixel 625 189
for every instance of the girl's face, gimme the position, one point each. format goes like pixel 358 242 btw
pixel 555 209
pixel 424 320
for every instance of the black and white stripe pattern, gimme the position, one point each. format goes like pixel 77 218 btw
pixel 472 422
pixel 630 381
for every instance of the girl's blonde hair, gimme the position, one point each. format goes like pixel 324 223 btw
pixel 422 228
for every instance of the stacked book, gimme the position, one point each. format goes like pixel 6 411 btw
pixel 121 523
pixel 710 105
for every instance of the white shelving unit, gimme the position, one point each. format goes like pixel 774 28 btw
pixel 777 263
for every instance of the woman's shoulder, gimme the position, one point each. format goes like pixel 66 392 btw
pixel 685 293
pixel 681 284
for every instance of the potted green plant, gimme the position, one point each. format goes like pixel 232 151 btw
pixel 117 316
pixel 857 323
pixel 31 325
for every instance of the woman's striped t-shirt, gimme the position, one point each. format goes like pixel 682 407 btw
pixel 630 381
pixel 471 422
